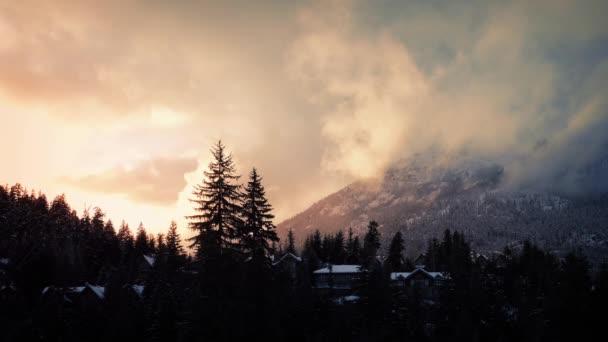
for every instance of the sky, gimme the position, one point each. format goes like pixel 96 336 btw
pixel 116 103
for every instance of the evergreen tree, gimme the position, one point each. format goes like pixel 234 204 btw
pixel 175 251
pixel 161 245
pixel 371 243
pixel 218 222
pixel 395 253
pixel 291 243
pixel 338 252
pixel 142 245
pixel 111 244
pixel 152 246
pixel 260 231
pixel 125 241
pixel 356 254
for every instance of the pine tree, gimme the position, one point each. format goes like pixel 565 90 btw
pixel 260 232
pixel 141 241
pixel 111 245
pixel 175 251
pixel 218 223
pixel 174 245
pixel 338 252
pixel 395 253
pixel 125 240
pixel 291 243
pixel 356 253
pixel 161 245
pixel 371 243
pixel 152 246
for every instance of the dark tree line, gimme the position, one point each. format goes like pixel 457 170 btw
pixel 234 288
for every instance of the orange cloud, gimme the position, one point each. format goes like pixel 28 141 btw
pixel 157 181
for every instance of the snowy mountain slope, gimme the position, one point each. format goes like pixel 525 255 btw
pixel 423 196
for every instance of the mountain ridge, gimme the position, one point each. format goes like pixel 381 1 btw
pixel 424 195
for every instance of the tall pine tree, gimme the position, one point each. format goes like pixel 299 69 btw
pixel 395 253
pixel 260 231
pixel 371 243
pixel 291 243
pixel 218 222
pixel 175 251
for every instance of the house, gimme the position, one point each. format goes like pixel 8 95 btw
pixel 287 264
pixel 341 278
pixel 55 295
pixel 419 282
pixel 86 296
pixel 144 264
pixel 420 259
pixel 133 294
pixel 481 260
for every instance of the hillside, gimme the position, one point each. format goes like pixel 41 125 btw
pixel 423 196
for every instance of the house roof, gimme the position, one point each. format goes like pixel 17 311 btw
pixel 289 256
pixel 339 269
pixel 98 290
pixel 406 275
pixel 139 290
pixel 346 299
pixel 150 259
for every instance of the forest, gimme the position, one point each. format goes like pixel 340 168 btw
pixel 66 276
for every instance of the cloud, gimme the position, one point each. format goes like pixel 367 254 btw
pixel 156 181
pixel 488 80
pixel 314 94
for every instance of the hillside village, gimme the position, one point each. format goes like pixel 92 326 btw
pixel 77 278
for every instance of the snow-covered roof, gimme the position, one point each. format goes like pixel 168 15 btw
pixel 76 289
pixel 346 299
pixel 339 269
pixel 98 290
pixel 288 255
pixel 405 275
pixel 139 289
pixel 150 259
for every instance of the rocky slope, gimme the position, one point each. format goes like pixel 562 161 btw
pixel 423 196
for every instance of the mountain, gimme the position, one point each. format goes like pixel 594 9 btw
pixel 423 196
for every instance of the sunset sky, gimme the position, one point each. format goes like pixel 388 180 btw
pixel 116 103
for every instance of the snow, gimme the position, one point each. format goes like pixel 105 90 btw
pixel 98 290
pixel 346 299
pixel 288 255
pixel 139 289
pixel 76 289
pixel 339 269
pixel 405 275
pixel 150 259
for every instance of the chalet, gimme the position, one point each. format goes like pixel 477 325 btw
pixel 419 282
pixel 481 260
pixel 133 294
pixel 144 264
pixel 55 295
pixel 420 259
pixel 287 264
pixel 341 278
